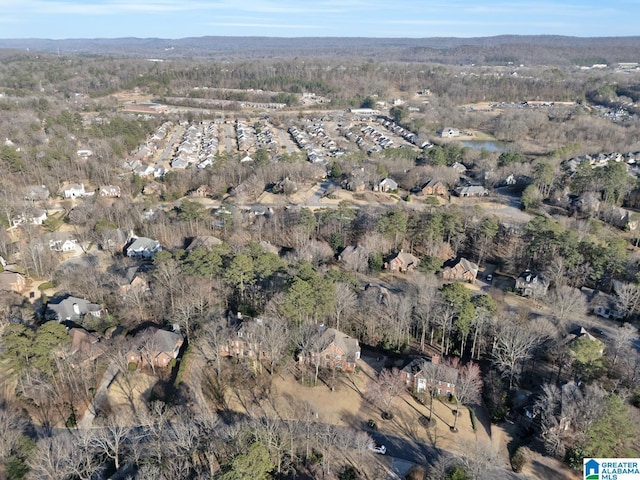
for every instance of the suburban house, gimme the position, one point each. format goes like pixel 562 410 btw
pixel 74 190
pixel 12 281
pixel 142 247
pixel 153 188
pixel 581 333
pixel 449 132
pixel 201 192
pixel 434 187
pixel 112 239
pixel 354 256
pixel 333 350
pixel 621 218
pixel 72 308
pixel 244 342
pixel 461 270
pixel 35 193
pixel 34 216
pixel 155 348
pixel 356 180
pixel 109 191
pixel 203 241
pixel 459 168
pixel 85 344
pixel 131 279
pixel 61 242
pixel 471 191
pixel 401 262
pixel 386 185
pixel 531 284
pixel 422 375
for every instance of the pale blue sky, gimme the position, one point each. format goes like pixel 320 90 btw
pixel 58 19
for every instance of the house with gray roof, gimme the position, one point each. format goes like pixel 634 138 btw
pixel 36 193
pixel 471 191
pixel 71 308
pixel 142 247
pixel 386 185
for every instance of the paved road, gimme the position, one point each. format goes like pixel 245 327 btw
pixel 229 135
pixel 284 140
pixel 167 153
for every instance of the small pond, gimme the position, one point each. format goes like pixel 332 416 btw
pixel 491 146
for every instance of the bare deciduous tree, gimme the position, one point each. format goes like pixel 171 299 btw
pixel 564 301
pixel 468 387
pixel 514 345
pixel 385 389
pixel 11 429
pixel 345 302
pixel 627 298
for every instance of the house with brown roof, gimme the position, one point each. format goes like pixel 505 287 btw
pixel 461 270
pixel 201 192
pixel 401 262
pixel 109 191
pixel 333 350
pixel 155 348
pixel 12 282
pixel 85 344
pixel 434 187
pixel 430 375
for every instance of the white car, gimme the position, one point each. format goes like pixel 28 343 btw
pixel 376 448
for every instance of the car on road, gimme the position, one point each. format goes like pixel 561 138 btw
pixel 489 278
pixel 377 448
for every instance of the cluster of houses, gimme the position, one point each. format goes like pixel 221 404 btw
pixel 245 135
pixel 602 160
pixel 150 348
pixel 334 350
pixel 408 135
pixel 188 148
pixel 369 139
pixel 313 139
pixel 264 136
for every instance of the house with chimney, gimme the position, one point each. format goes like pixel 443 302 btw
pixel 333 349
pixel 70 308
pixel 531 284
pixel 142 247
pixel 109 191
pixel 155 347
pixel 429 374
pixel 461 270
pixel 401 262
pixel 12 281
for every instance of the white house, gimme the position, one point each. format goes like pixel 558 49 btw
pixel 33 217
pixel 75 190
pixel 142 247
pixel 62 242
pixel 450 132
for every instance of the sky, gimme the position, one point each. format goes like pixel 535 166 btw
pixel 59 19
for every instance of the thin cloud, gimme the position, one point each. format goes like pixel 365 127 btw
pixel 263 25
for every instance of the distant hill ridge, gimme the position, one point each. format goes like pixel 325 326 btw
pixel 538 49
